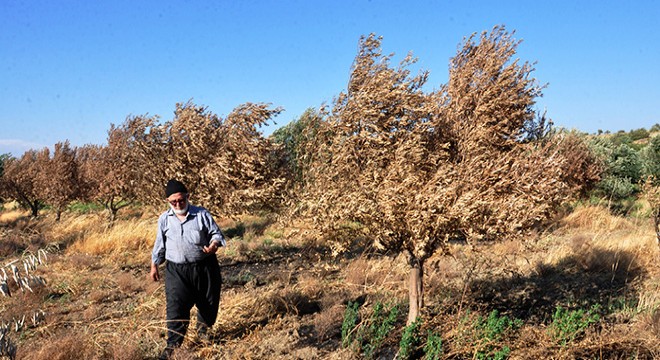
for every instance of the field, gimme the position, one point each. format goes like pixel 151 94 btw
pixel 588 288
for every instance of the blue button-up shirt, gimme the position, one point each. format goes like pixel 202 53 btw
pixel 182 242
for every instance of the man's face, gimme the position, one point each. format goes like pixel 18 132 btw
pixel 178 202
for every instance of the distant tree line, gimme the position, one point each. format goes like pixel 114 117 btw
pixel 471 161
pixel 631 159
pixel 226 163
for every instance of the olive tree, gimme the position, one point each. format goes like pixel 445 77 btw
pixel 224 162
pixel 650 156
pixel 418 169
pixel 3 159
pixel 111 174
pixel 19 179
pixel 651 191
pixel 651 185
pixel 291 139
pixel 58 177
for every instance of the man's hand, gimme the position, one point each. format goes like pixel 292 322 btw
pixel 212 248
pixel 154 275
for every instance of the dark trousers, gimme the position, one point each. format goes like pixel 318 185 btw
pixel 187 285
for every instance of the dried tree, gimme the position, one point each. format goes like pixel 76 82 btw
pixel 58 178
pixel 87 159
pixel 418 169
pixel 111 174
pixel 19 179
pixel 223 162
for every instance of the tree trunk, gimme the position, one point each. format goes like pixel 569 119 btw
pixel 113 215
pixel 415 289
pixel 34 207
pixel 657 225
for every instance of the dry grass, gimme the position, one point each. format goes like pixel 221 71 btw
pixel 282 338
pixel 286 299
pixel 594 219
pixel 376 274
pixel 119 242
pixel 11 216
pixel 327 322
pixel 67 346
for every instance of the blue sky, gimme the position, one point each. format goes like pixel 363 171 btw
pixel 68 69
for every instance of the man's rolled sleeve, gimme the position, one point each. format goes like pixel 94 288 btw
pixel 158 253
pixel 215 233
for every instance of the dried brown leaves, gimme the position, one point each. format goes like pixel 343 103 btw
pixel 420 168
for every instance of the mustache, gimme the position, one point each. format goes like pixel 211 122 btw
pixel 181 211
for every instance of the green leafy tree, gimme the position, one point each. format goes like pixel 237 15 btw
pixel 655 127
pixel 639 134
pixel 623 169
pixel 650 157
pixel 291 139
pixel 651 189
pixel 620 138
pixel 3 159
pixel 625 162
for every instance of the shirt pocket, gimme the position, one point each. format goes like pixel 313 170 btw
pixel 195 234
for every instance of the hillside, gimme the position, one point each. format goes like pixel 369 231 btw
pixel 588 288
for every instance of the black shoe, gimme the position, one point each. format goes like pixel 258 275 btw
pixel 166 354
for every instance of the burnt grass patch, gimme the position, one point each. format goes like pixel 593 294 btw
pixel 597 277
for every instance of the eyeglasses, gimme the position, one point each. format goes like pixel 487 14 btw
pixel 178 201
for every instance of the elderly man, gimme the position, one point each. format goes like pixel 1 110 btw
pixel 188 239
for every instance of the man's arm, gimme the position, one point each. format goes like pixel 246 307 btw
pixel 215 235
pixel 154 275
pixel 158 253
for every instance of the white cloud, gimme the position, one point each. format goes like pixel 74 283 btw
pixel 17 147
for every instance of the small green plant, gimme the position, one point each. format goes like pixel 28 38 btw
pixel 85 207
pixel 499 354
pixel 274 234
pixel 623 305
pixel 380 324
pixel 489 334
pixel 433 347
pixel 369 335
pixel 494 326
pixel 410 340
pixel 349 323
pixel 568 325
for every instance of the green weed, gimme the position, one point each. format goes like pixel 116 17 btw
pixel 372 331
pixel 568 325
pixel 410 340
pixel 379 325
pixel 433 348
pixel 85 207
pixel 274 234
pixel 623 305
pixel 489 333
pixel 351 316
